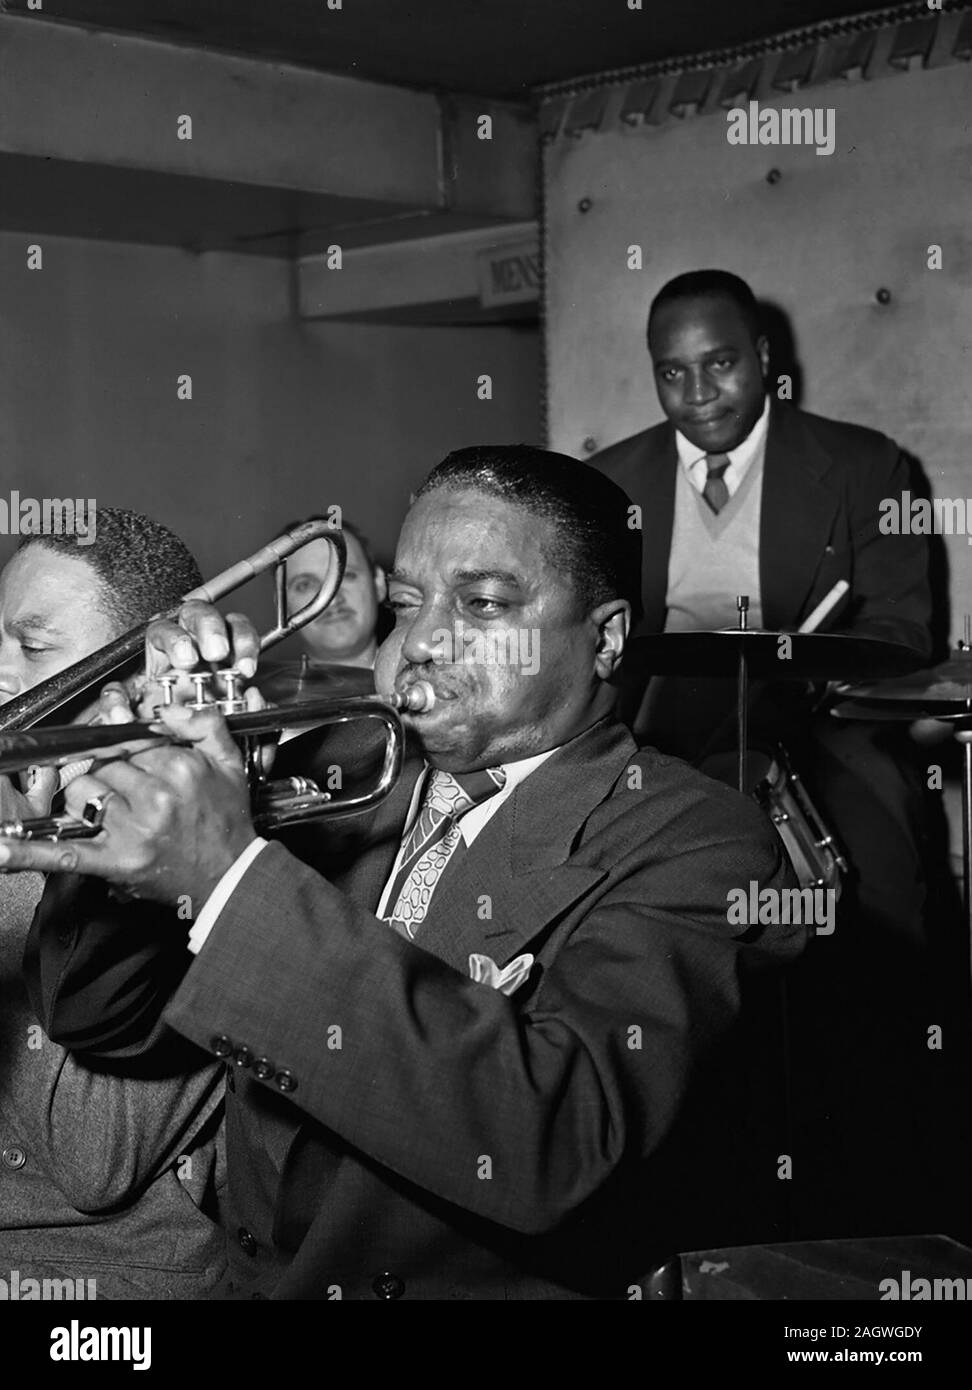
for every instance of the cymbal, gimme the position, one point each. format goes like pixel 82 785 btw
pixel 941 691
pixel 287 682
pixel 769 655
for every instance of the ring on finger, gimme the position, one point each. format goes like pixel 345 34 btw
pixel 93 811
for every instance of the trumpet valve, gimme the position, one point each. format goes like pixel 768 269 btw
pixel 168 684
pixel 232 701
pixel 202 680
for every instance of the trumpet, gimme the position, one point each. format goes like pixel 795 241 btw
pixel 286 801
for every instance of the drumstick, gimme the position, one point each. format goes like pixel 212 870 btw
pixel 824 607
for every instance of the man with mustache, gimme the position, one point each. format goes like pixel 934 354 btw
pixel 347 632
pixel 103 1178
pixel 496 1058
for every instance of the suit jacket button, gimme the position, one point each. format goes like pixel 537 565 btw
pixel 263 1068
pixel 286 1081
pixel 222 1046
pixel 388 1285
pixel 247 1241
pixel 243 1057
pixel 14 1157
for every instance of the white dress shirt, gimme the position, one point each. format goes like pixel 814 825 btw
pixel 470 824
pixel 741 459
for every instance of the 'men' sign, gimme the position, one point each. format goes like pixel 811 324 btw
pixel 509 274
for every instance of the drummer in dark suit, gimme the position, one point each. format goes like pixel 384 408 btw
pixel 740 494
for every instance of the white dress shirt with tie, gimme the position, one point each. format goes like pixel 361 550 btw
pixel 715 557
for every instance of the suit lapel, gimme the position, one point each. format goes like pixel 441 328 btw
pixel 366 877
pixel 515 881
pixel 645 466
pixel 797 518
pixel 654 491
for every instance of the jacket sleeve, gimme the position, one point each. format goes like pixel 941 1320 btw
pixel 891 593
pixel 99 972
pixel 105 1131
pixel 103 1138
pixel 513 1112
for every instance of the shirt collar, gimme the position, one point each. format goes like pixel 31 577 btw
pixel 690 454
pixel 473 820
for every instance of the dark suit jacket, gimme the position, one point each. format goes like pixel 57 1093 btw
pixel 394 1127
pixel 823 482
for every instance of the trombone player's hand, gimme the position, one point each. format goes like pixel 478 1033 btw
pixel 29 794
pixel 174 818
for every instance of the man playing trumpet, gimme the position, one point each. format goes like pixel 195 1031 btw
pixel 495 1057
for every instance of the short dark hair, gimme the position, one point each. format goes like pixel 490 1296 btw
pixel 596 546
pixel 710 284
pixel 143 567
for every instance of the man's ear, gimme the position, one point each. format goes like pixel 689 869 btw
pixel 613 621
pixel 381 584
pixel 763 352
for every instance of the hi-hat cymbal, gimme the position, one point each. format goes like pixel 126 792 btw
pixel 292 681
pixel 817 656
pixel 938 692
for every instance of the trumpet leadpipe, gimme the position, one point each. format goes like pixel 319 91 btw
pixel 56 746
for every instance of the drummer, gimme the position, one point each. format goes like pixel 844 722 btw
pixel 743 494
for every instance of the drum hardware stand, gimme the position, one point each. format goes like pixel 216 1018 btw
pixel 742 691
pixel 963 735
pixel 742 725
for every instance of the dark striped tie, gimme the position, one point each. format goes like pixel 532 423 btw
pixel 716 490
pixel 432 841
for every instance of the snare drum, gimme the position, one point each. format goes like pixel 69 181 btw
pixel 775 787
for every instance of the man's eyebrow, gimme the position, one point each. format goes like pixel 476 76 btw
pixel 294 575
pixel 481 576
pixel 463 577
pixel 36 622
pixel 709 352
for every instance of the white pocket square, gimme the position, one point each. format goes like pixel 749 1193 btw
pixel 486 972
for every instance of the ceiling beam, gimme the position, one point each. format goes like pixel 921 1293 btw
pixel 350 152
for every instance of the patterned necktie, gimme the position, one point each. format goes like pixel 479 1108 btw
pixel 716 490
pixel 432 841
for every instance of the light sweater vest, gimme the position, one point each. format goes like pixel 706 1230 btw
pixel 714 558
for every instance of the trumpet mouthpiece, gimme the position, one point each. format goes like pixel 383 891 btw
pixel 418 698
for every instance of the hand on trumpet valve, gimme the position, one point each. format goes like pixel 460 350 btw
pixel 173 818
pixel 221 686
pixel 200 634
